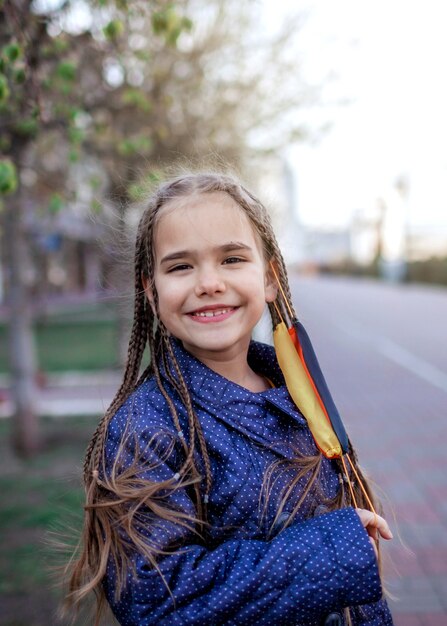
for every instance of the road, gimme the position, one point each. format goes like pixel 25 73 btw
pixel 383 351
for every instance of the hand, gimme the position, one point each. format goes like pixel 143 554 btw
pixel 375 526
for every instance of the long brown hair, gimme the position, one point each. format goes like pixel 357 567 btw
pixel 114 499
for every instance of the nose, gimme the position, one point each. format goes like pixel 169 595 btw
pixel 209 282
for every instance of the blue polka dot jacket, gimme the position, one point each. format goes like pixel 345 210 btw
pixel 243 574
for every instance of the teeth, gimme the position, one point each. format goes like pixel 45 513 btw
pixel 211 313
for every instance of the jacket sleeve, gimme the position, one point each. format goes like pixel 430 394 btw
pixel 309 569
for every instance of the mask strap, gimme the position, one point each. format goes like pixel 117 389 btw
pixel 353 469
pixel 292 316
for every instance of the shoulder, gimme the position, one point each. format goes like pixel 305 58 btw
pixel 140 436
pixel 142 416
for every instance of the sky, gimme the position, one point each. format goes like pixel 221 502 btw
pixel 387 59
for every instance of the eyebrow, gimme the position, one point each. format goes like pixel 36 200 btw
pixel 227 247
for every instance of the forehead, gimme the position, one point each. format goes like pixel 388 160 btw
pixel 203 220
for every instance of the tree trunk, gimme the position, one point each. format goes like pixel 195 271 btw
pixel 22 351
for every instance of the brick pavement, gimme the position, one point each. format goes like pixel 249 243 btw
pixel 396 418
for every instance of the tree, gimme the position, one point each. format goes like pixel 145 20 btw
pixel 134 86
pixel 41 66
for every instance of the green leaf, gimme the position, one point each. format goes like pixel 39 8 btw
pixel 5 143
pixel 66 70
pixel 96 206
pixel 60 44
pixel 75 136
pixel 136 191
pixel 73 155
pixel 143 55
pixel 170 24
pixel 113 30
pixel 8 177
pixel 12 51
pixel 4 90
pixel 27 127
pixel 141 189
pixel 55 203
pixel 66 89
pixel 187 24
pixel 136 98
pixel 95 182
pixel 173 34
pixel 159 22
pixel 20 76
pixel 140 146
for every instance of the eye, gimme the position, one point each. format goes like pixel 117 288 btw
pixel 179 268
pixel 233 259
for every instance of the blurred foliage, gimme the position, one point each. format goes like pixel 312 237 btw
pixel 134 87
pixel 137 84
pixel 8 176
pixel 59 81
pixel 64 340
pixel 39 496
pixel 97 100
pixel 433 270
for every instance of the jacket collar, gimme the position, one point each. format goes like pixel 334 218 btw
pixel 232 403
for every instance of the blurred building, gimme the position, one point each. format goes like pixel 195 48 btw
pixel 64 252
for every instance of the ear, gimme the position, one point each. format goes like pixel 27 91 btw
pixel 148 291
pixel 270 284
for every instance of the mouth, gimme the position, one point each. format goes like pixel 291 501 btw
pixel 210 314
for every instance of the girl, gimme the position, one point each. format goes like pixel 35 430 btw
pixel 208 501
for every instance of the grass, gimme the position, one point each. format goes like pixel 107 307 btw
pixel 39 495
pixel 77 339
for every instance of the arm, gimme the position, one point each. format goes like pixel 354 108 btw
pixel 308 570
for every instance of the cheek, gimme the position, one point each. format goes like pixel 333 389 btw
pixel 169 293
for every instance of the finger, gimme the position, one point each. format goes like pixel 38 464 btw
pixel 382 527
pixel 374 524
pixel 372 532
pixel 386 533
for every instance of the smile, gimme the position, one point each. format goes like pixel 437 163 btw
pixel 212 315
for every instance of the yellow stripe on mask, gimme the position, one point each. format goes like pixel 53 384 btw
pixel 303 394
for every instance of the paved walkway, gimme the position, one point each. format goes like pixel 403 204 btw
pixel 383 351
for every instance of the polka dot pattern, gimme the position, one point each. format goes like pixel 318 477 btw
pixel 243 576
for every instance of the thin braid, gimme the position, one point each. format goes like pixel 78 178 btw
pixel 196 427
pixel 284 279
pixel 191 466
pixel 167 351
pixel 188 450
pixel 196 421
pixel 194 424
pixel 137 343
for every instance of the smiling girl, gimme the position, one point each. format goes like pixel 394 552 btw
pixel 207 499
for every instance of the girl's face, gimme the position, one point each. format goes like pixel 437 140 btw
pixel 210 275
